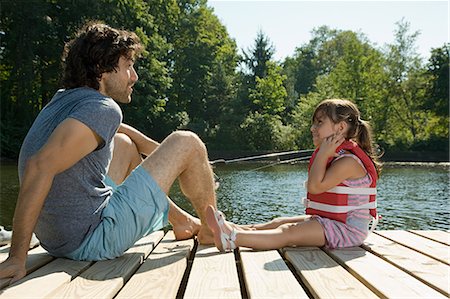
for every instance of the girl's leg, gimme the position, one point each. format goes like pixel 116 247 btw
pixel 274 223
pixel 305 233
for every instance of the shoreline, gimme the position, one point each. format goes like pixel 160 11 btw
pixel 406 158
pixel 388 155
pixel 386 164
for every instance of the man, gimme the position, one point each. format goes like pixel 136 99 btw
pixel 64 161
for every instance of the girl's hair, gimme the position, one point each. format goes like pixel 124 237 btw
pixel 95 50
pixel 359 130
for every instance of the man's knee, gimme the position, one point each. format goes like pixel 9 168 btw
pixel 188 140
pixel 123 142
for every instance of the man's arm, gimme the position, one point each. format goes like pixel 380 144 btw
pixel 69 143
pixel 144 144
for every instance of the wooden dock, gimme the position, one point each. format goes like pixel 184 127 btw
pixel 391 264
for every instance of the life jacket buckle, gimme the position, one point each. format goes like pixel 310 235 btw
pixel 305 201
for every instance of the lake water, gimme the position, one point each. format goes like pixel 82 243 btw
pixel 409 197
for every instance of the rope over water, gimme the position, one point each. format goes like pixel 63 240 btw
pixel 217 179
pixel 262 156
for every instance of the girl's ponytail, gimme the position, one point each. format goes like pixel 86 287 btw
pixel 364 139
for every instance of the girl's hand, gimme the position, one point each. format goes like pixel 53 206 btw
pixel 330 144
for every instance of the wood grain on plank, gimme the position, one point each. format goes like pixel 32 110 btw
pixel 427 269
pixel 266 275
pixel 213 275
pixel 46 280
pixel 161 274
pixel 431 248
pixel 105 278
pixel 436 235
pixel 37 257
pixel 383 278
pixel 324 277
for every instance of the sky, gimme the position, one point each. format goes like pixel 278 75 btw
pixel 288 24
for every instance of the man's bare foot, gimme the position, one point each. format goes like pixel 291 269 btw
pixel 205 236
pixel 186 230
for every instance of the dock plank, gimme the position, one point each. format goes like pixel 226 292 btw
pixel 323 276
pixel 105 278
pixel 266 275
pixel 46 279
pixel 213 275
pixel 167 263
pixel 401 265
pixel 393 283
pixel 436 235
pixel 37 257
pixel 426 246
pixel 423 267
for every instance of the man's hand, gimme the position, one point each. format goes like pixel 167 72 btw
pixel 12 268
pixel 70 142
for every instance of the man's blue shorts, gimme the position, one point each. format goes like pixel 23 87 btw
pixel 136 208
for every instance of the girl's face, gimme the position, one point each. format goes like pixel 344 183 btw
pixel 322 127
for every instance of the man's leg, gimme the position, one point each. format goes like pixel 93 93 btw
pixel 126 158
pixel 183 155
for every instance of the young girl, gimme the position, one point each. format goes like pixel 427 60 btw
pixel 341 190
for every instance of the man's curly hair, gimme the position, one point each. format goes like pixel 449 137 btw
pixel 95 50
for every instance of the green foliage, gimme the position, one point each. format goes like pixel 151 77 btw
pixel 258 56
pixel 203 62
pixel 40 28
pixel 438 91
pixel 405 121
pixel 269 95
pixel 191 77
pixel 266 132
pixel 391 88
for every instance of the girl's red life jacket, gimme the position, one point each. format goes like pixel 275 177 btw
pixel 333 204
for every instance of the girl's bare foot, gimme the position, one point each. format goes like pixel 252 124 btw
pixel 224 235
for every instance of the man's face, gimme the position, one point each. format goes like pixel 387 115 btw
pixel 119 84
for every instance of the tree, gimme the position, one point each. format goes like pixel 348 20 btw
pixel 203 63
pixel 437 99
pixel 254 65
pixel 354 71
pixel 405 88
pixel 266 132
pixel 40 29
pixel 257 57
pixel 358 74
pixel 438 93
pixel 309 61
pixel 28 66
pixel 269 95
